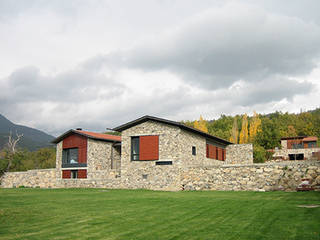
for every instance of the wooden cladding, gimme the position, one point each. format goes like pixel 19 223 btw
pixel 214 152
pixel 77 141
pixel 149 148
pixel 66 173
pixel 80 173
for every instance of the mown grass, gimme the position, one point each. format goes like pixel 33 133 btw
pixel 141 214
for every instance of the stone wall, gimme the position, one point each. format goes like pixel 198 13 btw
pixel 239 154
pixel 43 178
pixel 278 153
pixel 253 177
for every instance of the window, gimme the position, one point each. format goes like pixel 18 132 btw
pixel 70 156
pixel 312 145
pixel 194 150
pixel 135 148
pixel 74 173
pixel 145 148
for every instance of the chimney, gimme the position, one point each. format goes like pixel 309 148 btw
pixel 79 129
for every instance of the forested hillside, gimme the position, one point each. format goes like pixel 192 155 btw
pixel 263 130
pixel 32 139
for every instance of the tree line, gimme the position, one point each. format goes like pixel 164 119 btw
pixel 264 131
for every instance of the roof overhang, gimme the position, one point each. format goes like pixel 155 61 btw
pixel 169 122
pixel 72 131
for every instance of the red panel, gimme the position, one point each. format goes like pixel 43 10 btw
pixel 210 151
pixel 82 173
pixel 215 152
pixel 223 154
pixel 149 147
pixel 66 173
pixel 77 141
pixel 220 157
pixel 207 150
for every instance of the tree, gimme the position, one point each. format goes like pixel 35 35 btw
pixel 255 126
pixel 234 131
pixel 201 125
pixel 12 148
pixel 269 136
pixel 291 131
pixel 244 130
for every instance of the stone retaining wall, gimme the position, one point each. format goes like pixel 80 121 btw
pixel 43 178
pixel 253 177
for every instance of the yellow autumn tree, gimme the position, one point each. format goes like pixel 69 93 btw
pixel 243 138
pixel 201 125
pixel 234 132
pixel 255 126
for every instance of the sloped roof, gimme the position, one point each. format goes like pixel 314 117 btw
pixel 91 135
pixel 310 139
pixel 169 122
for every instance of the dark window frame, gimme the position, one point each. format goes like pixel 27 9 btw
pixel 194 150
pixel 66 153
pixel 135 156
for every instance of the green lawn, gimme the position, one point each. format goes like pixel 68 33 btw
pixel 141 214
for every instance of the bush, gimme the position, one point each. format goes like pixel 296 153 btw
pixel 259 154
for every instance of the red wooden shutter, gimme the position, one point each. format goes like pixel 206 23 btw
pixel 215 155
pixel 220 157
pixel 149 148
pixel 210 151
pixel 82 173
pixel 207 150
pixel 224 154
pixel 66 173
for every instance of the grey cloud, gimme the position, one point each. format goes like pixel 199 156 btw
pixel 28 85
pixel 222 46
pixel 270 91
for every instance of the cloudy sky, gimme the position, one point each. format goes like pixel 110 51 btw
pixel 97 64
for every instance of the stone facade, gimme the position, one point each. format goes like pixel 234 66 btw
pixel 236 150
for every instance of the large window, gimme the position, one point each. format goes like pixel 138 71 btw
pixel 135 148
pixel 70 156
pixel 145 148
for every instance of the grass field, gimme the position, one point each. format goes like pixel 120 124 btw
pixel 141 214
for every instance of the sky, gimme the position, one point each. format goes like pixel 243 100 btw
pixel 98 64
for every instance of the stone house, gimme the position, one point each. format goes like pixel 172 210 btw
pixel 151 152
pixel 87 155
pixel 297 148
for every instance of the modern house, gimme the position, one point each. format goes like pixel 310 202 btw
pixel 297 148
pixel 151 151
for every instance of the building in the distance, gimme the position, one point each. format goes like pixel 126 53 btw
pixel 297 148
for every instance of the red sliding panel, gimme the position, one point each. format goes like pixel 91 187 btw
pixel 66 173
pixel 82 173
pixel 149 147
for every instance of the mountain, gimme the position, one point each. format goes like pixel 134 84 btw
pixel 32 139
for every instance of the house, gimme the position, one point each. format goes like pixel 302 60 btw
pixel 81 154
pixel 150 153
pixel 297 148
